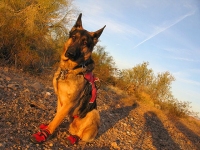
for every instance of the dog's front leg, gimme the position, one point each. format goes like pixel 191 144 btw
pixel 58 105
pixel 55 80
pixel 46 131
pixel 60 115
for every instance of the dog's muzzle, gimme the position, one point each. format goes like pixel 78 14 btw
pixel 73 53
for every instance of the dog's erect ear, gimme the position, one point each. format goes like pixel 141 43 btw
pixel 97 34
pixel 78 24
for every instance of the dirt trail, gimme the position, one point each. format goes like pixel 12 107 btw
pixel 26 102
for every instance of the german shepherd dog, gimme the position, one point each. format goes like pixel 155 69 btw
pixel 74 85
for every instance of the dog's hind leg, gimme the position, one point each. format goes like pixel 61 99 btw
pixel 86 128
pixel 89 133
pixel 81 135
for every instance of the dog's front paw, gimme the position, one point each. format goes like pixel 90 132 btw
pixel 72 139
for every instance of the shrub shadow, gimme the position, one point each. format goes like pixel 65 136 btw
pixel 160 136
pixel 194 138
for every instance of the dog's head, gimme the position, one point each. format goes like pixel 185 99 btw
pixel 78 48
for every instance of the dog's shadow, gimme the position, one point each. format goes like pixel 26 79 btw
pixel 113 115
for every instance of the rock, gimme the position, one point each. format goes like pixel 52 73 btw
pixel 6 69
pixel 26 90
pixel 8 123
pixel 27 94
pixel 37 86
pixel 25 83
pixel 114 145
pixel 13 86
pixel 47 95
pixel 8 78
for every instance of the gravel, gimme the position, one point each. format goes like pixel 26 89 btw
pixel 27 101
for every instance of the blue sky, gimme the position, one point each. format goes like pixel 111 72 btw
pixel 166 33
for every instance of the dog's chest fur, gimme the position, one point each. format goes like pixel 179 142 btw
pixel 70 87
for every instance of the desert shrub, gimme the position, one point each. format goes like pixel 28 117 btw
pixel 104 65
pixel 29 59
pixel 32 31
pixel 178 108
pixel 154 89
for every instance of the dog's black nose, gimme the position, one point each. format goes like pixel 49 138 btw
pixel 70 54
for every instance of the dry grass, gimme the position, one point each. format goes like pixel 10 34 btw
pixel 117 90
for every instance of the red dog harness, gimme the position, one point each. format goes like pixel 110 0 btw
pixel 91 79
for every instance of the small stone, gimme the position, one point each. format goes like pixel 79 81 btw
pixel 114 145
pixel 8 78
pixel 47 94
pixel 27 94
pixel 6 69
pixel 124 124
pixel 37 86
pixel 25 83
pixel 13 86
pixel 26 90
pixel 132 133
pixel 51 144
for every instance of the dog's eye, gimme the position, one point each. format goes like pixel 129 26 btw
pixel 84 42
pixel 73 37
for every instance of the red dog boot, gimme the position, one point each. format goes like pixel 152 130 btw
pixel 72 139
pixel 43 126
pixel 42 135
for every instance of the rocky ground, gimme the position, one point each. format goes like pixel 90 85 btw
pixel 27 101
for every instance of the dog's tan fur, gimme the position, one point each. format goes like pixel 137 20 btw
pixel 87 127
pixel 71 88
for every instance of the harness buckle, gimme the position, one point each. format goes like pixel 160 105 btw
pixel 63 74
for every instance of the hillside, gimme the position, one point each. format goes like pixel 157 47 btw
pixel 27 101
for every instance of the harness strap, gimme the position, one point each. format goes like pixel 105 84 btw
pixel 91 79
pixel 75 116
